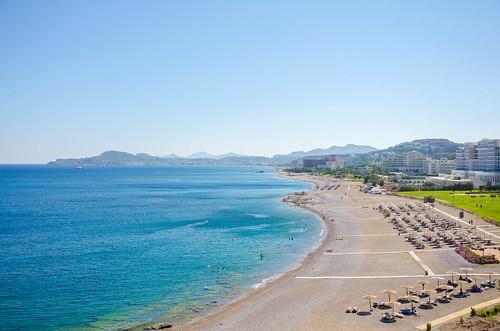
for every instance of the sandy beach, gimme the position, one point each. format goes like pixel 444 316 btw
pixel 360 254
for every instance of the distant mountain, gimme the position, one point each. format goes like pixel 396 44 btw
pixel 115 158
pixel 112 158
pixel 170 156
pixel 205 155
pixel 222 156
pixel 337 150
pixel 435 148
pixel 202 155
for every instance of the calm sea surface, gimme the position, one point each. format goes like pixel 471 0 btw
pixel 103 248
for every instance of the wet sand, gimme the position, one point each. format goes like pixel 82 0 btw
pixel 360 253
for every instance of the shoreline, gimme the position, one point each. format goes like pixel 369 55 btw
pixel 275 279
pixel 359 253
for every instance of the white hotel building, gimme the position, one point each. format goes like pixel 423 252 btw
pixel 480 162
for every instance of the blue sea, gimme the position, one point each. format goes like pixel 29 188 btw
pixel 110 248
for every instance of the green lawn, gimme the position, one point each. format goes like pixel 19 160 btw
pixel 472 202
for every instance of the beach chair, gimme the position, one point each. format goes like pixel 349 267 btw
pixel 387 318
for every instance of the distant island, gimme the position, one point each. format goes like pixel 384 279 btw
pixel 116 158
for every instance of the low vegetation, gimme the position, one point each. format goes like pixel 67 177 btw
pixel 433 187
pixel 486 205
pixel 473 257
pixel 486 312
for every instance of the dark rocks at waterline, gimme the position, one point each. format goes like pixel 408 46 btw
pixel 160 326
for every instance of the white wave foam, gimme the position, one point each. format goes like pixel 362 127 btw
pixel 253 227
pixel 259 215
pixel 265 281
pixel 301 230
pixel 196 224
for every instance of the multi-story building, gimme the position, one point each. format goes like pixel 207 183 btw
pixel 415 163
pixel 322 162
pixel 479 161
pixel 411 163
pixel 441 166
pixel 465 156
pixel 488 155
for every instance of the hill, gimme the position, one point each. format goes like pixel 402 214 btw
pixel 115 158
pixel 435 148
pixel 337 150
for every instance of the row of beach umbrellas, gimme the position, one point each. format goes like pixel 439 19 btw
pixel 411 299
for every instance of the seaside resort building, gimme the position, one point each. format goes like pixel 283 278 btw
pixel 480 162
pixel 417 164
pixel 322 162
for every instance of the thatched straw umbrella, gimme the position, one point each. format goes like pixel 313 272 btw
pixel 429 292
pixel 466 269
pixel 461 283
pixel 489 273
pixel 369 297
pixel 437 278
pixel 388 293
pixel 445 289
pixel 423 283
pixel 407 288
pixel 393 304
pixel 452 273
pixel 412 299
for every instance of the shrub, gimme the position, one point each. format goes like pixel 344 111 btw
pixel 488 312
pixel 472 257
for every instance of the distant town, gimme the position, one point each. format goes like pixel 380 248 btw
pixel 424 163
pixel 430 163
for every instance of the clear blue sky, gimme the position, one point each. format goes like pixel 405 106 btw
pixel 253 77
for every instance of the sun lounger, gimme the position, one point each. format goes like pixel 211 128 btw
pixel 443 300
pixel 383 305
pixel 387 318
pixel 408 311
pixel 461 294
pixel 351 310
pixel 476 289
pixel 426 305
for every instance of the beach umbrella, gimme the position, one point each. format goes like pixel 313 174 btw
pixel 407 288
pixel 388 293
pixel 429 292
pixel 437 278
pixel 445 288
pixel 466 269
pixel 489 273
pixel 412 299
pixel 393 304
pixel 461 283
pixel 452 273
pixel 423 282
pixel 370 297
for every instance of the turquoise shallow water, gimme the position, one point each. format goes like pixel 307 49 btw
pixel 103 248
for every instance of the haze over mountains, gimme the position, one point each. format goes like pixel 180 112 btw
pixel 205 155
pixel 337 150
pixel 435 148
pixel 123 158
